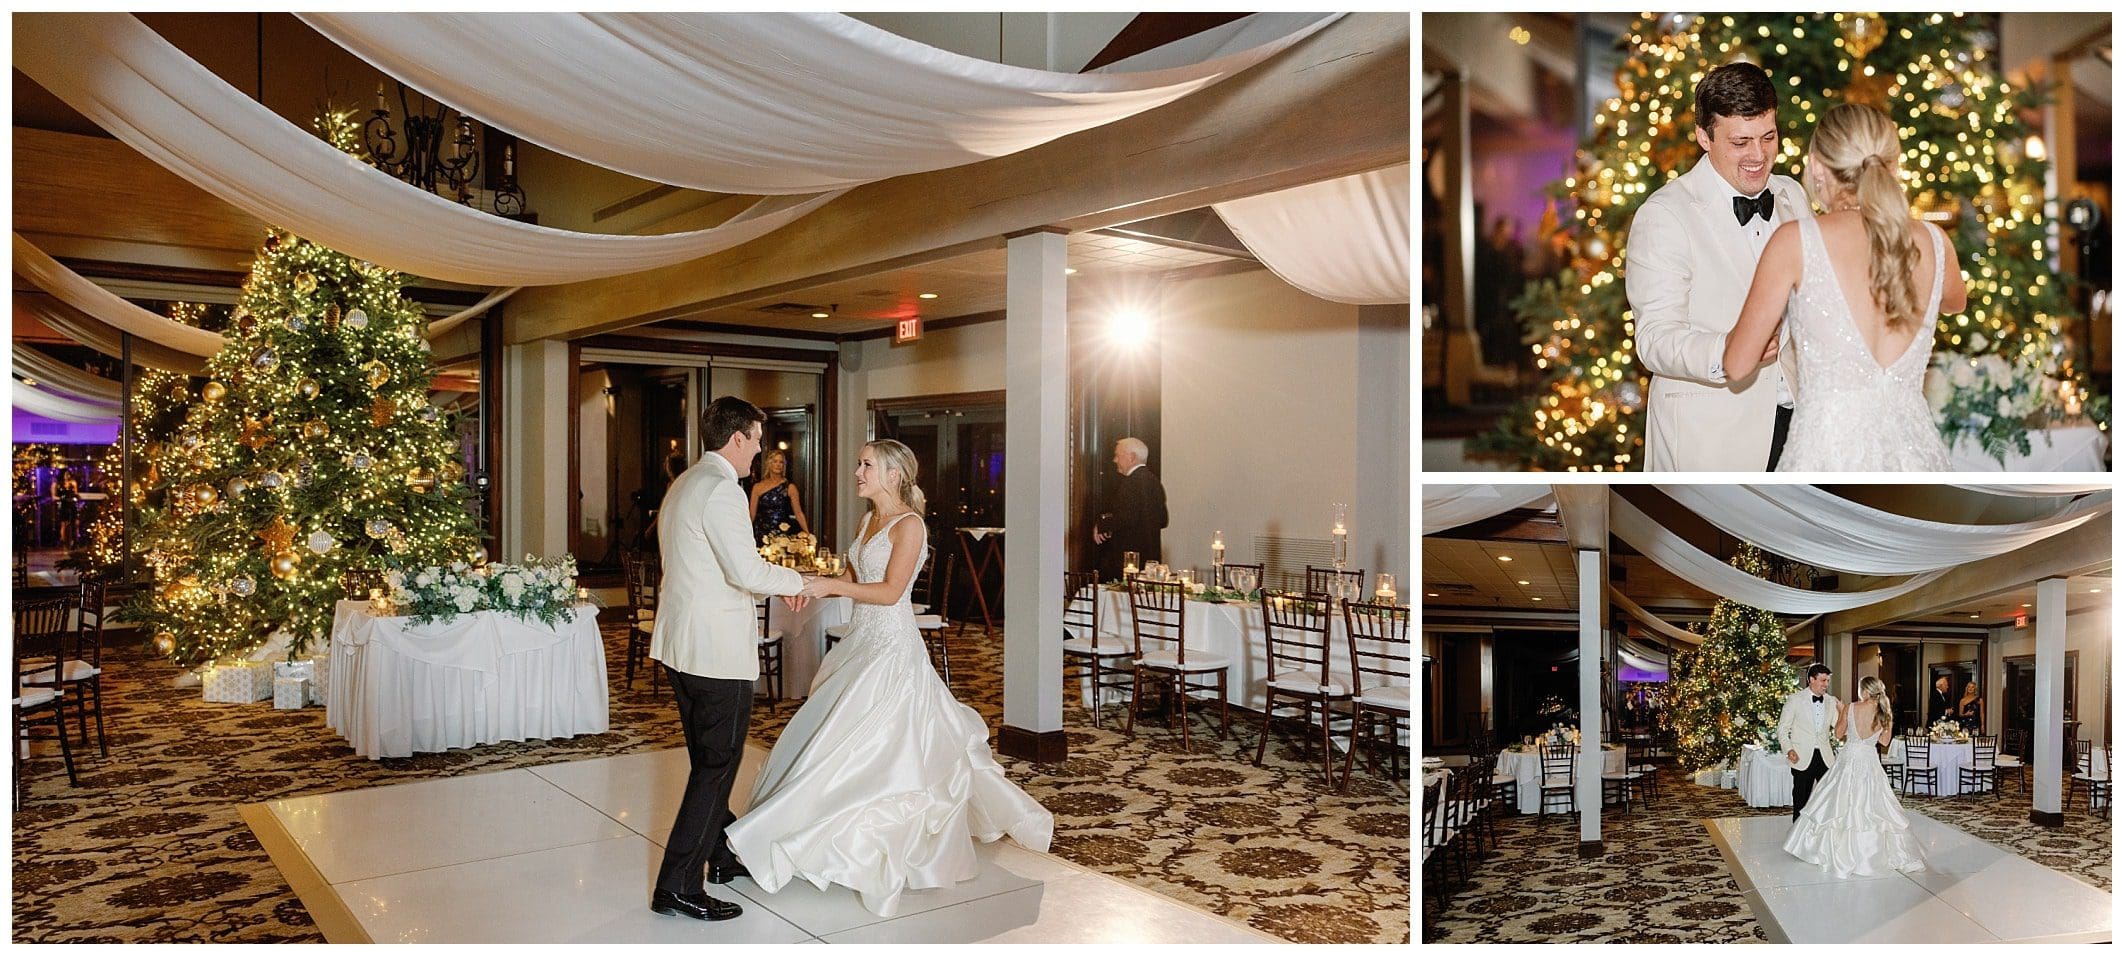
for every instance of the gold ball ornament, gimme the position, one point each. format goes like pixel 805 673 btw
pixel 452 471
pixel 284 565
pixel 165 642
pixel 421 479
pixel 213 391
pixel 305 283
pixel 315 429
pixel 205 494
pixel 376 374
pixel 308 388
pixel 237 486
pixel 179 393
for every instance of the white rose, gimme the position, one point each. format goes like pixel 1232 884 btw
pixel 512 587
pixel 2006 407
pixel 466 599
pixel 396 579
pixel 1961 373
pixel 423 580
pixel 1937 389
pixel 1977 342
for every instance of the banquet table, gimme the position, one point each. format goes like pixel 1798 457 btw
pixel 804 640
pixel 2076 448
pixel 1525 768
pixel 1235 631
pixel 398 688
pixel 1949 757
pixel 1765 778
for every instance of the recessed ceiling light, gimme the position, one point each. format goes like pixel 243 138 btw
pixel 1432 593
pixel 1069 272
pixel 1506 558
pixel 2028 605
pixel 1537 599
pixel 1526 582
pixel 2094 590
pixel 29 381
pixel 927 295
pixel 818 315
pixel 1974 616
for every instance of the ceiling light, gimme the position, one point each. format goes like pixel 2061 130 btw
pixel 1526 582
pixel 927 295
pixel 29 381
pixel 818 315
pixel 2094 590
pixel 1432 593
pixel 1129 329
pixel 1537 599
pixel 1506 558
pixel 1069 272
pixel 1974 616
pixel 2028 605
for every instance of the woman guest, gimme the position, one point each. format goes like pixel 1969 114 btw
pixel 775 506
pixel 1970 712
pixel 68 492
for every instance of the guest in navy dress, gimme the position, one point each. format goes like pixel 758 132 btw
pixel 776 508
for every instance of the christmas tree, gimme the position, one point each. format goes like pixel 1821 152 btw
pixel 1729 691
pixel 2000 367
pixel 311 451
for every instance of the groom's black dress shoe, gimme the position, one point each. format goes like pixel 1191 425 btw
pixel 721 873
pixel 696 905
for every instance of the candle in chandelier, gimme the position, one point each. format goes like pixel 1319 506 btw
pixel 509 161
pixel 380 107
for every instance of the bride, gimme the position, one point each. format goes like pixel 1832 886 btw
pixel 882 781
pixel 1865 283
pixel 1853 824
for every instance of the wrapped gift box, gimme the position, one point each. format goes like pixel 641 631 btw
pixel 321 677
pixel 291 693
pixel 242 682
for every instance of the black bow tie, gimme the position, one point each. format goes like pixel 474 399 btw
pixel 1764 205
pixel 1817 700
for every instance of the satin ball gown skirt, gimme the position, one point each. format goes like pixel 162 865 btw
pixel 1853 824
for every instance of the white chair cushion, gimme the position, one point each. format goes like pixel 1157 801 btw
pixel 1197 662
pixel 1084 648
pixel 1394 697
pixel 35 697
pixel 929 622
pixel 773 637
pixel 1308 682
pixel 74 670
pixel 838 630
pixel 1504 778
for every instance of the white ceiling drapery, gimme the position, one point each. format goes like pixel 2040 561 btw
pixel 1686 561
pixel 1446 507
pixel 154 98
pixel 99 335
pixel 40 402
pixel 2035 491
pixel 1809 524
pixel 1345 240
pixel 32 364
pixel 69 287
pixel 757 103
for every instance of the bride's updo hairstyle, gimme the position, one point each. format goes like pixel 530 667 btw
pixel 1858 147
pixel 893 456
pixel 1872 689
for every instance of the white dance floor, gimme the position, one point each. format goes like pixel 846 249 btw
pixel 567 853
pixel 1970 892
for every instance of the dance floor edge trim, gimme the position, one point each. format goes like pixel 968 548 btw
pixel 334 920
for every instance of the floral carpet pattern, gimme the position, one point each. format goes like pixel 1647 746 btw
pixel 150 848
pixel 1663 880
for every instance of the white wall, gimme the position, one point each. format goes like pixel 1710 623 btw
pixel 592 416
pixel 964 359
pixel 1267 403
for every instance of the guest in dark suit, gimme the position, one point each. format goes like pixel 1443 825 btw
pixel 1940 704
pixel 1135 514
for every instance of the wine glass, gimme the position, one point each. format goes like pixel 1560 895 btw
pixel 1242 579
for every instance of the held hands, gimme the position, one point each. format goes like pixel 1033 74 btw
pixel 818 588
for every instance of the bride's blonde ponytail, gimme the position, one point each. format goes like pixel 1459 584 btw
pixel 1858 145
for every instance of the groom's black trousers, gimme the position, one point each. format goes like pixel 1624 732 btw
pixel 715 713
pixel 1777 435
pixel 1803 783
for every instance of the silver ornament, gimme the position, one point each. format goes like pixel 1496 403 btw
pixel 271 479
pixel 357 319
pixel 429 414
pixel 378 527
pixel 322 541
pixel 296 322
pixel 265 359
pixel 360 461
pixel 244 587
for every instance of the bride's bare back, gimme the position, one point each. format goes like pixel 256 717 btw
pixel 1850 259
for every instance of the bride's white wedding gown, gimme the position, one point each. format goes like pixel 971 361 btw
pixel 1850 413
pixel 882 781
pixel 1853 824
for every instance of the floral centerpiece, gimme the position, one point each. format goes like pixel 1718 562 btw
pixel 1558 735
pixel 1945 729
pixel 1998 403
pixel 789 550
pixel 535 590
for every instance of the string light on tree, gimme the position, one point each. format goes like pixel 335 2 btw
pixel 1973 166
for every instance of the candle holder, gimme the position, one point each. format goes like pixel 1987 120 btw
pixel 1216 578
pixel 1341 535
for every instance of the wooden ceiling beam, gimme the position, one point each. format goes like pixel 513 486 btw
pixel 1334 105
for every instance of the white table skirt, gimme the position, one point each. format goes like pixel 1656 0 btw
pixel 2076 448
pixel 1949 758
pixel 1525 768
pixel 398 688
pixel 1235 631
pixel 1765 778
pixel 804 640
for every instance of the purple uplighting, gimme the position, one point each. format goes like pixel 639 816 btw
pixel 32 428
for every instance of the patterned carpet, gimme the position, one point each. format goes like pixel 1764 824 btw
pixel 150 847
pixel 1663 881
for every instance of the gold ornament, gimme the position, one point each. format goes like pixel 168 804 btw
pixel 305 283
pixel 237 486
pixel 315 429
pixel 272 241
pixel 452 471
pixel 1862 33
pixel 308 388
pixel 265 358
pixel 376 373
pixel 205 494
pixel 178 393
pixel 254 434
pixel 382 411
pixel 165 642
pixel 278 536
pixel 421 479
pixel 213 391
pixel 283 565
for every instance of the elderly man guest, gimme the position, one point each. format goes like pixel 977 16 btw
pixel 1135 511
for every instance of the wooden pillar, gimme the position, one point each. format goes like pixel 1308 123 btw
pixel 1462 353
pixel 2049 739
pixel 1036 509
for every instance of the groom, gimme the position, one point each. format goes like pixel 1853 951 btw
pixel 1691 257
pixel 1804 730
pixel 706 638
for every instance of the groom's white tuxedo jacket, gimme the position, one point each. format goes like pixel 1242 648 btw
pixel 1799 730
pixel 1689 266
pixel 713 574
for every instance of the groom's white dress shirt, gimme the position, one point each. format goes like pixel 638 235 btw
pixel 1689 263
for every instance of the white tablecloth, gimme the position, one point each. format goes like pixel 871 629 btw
pixel 398 688
pixel 2052 449
pixel 1235 631
pixel 1525 768
pixel 1765 779
pixel 804 640
pixel 1950 758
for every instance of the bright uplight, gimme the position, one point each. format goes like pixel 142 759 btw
pixel 1129 329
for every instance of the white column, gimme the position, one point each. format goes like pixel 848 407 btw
pixel 1592 601
pixel 1036 379
pixel 1839 652
pixel 537 388
pixel 2049 740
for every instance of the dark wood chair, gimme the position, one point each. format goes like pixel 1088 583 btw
pixel 40 649
pixel 770 654
pixel 2013 757
pixel 1088 654
pixel 2084 776
pixel 1917 765
pixel 1257 569
pixel 1379 660
pixel 1159 614
pixel 645 577
pixel 1982 774
pixel 1322 580
pixel 1559 780
pixel 1297 631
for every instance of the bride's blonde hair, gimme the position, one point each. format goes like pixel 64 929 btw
pixel 1857 146
pixel 893 456
pixel 1871 688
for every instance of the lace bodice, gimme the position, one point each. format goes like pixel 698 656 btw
pixel 1851 413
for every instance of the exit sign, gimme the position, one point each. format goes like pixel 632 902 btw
pixel 907 330
pixel 2020 621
